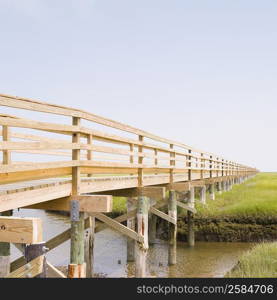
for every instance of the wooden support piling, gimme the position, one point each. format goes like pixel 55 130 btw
pixel 190 216
pixel 77 242
pixel 131 223
pixel 203 194
pixel 77 267
pixel 212 191
pixel 89 247
pixel 152 228
pixel 172 229
pixel 142 228
pixel 219 187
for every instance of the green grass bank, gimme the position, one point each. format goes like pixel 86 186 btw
pixel 247 213
pixel 260 261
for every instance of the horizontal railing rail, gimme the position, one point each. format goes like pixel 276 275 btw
pixel 98 151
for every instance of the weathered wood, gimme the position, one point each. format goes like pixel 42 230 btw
pixel 219 187
pixel 190 220
pixel 142 228
pixel 172 229
pixel 64 236
pixel 36 250
pixel 203 194
pixel 77 234
pixel 89 248
pixel 131 224
pixel 188 207
pixel 118 226
pixel 77 256
pixel 212 191
pixel 51 244
pixel 30 270
pixel 152 228
pixel 77 271
pixel 162 215
pixel 20 230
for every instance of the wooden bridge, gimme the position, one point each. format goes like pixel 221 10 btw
pixel 66 159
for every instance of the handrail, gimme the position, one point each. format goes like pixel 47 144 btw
pixel 130 156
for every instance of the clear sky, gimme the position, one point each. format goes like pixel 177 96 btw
pixel 200 72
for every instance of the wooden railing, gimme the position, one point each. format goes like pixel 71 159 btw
pixel 87 150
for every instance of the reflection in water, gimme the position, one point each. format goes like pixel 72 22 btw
pixel 204 260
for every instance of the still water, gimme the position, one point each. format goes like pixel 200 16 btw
pixel 204 260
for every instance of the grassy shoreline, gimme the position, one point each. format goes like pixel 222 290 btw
pixel 247 213
pixel 260 261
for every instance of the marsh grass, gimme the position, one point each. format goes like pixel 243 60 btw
pixel 255 197
pixel 119 205
pixel 260 261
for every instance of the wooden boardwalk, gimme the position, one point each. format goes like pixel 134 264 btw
pixel 97 164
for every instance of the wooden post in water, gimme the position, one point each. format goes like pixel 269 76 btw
pixel 219 187
pixel 172 230
pixel 212 192
pixel 32 251
pixel 142 229
pixel 77 267
pixel 203 194
pixel 89 247
pixel 152 228
pixel 131 223
pixel 223 186
pixel 190 215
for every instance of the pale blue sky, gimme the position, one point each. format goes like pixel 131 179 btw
pixel 200 72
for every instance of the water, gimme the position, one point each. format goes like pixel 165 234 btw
pixel 204 260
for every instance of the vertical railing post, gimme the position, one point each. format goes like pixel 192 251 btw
pixel 77 267
pixel 89 152
pixel 172 164
pixel 202 167
pixel 6 138
pixel 140 161
pixel 211 187
pixel 131 159
pixel 189 165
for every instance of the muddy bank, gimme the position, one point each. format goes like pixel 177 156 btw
pixel 231 229
pixel 221 229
